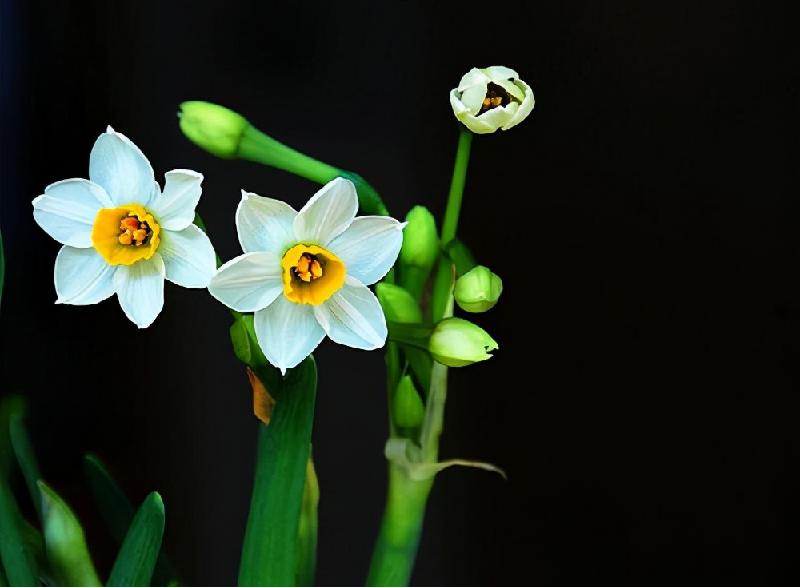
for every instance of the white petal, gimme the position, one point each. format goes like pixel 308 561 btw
pixel 121 169
pixel 82 277
pixel 472 98
pixel 188 256
pixel 497 117
pixel 174 208
pixel 498 73
pixel 474 77
pixel 140 290
pixel 67 209
pixel 249 282
pixel 287 332
pixel 369 247
pixel 328 213
pixel 353 317
pixel 524 109
pixel 264 224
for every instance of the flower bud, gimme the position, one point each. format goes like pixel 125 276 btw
pixel 407 408
pixel 65 544
pixel 420 239
pixel 491 98
pixel 456 343
pixel 213 128
pixel 398 305
pixel 478 290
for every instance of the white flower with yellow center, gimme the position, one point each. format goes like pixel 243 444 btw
pixel 121 234
pixel 491 98
pixel 305 274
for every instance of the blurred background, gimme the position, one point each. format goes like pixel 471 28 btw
pixel 637 399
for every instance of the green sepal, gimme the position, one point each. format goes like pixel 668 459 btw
pixel 139 552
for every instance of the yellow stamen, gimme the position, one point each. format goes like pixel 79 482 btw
pixel 311 274
pixel 125 235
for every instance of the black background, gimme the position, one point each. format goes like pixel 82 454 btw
pixel 637 400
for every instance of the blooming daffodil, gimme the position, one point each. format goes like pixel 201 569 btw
pixel 121 234
pixel 305 274
pixel 491 98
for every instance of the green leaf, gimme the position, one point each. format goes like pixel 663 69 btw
pixel 65 543
pixel 269 553
pixel 118 511
pixel 18 561
pixel 137 557
pixel 26 458
pixel 9 405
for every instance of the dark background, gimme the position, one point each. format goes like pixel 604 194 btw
pixel 637 400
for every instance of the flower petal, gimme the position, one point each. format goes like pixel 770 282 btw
pixel 82 277
pixel 353 317
pixel 474 77
pixel 369 247
pixel 328 213
pixel 174 208
pixel 497 117
pixel 189 258
pixel 66 210
pixel 121 169
pixel 472 98
pixel 249 282
pixel 287 332
pixel 140 290
pixel 264 224
pixel 498 73
pixel 524 109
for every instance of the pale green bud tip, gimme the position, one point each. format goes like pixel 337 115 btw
pixel 398 304
pixel 478 290
pixel 491 98
pixel 214 128
pixel 456 343
pixel 407 408
pixel 420 239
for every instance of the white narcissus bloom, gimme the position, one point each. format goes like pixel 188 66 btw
pixel 305 274
pixel 121 234
pixel 491 98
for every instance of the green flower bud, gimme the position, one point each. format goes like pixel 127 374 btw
pixel 407 408
pixel 491 98
pixel 456 343
pixel 212 127
pixel 65 544
pixel 398 305
pixel 478 290
pixel 420 239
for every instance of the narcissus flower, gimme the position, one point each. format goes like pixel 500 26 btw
pixel 491 98
pixel 305 274
pixel 121 234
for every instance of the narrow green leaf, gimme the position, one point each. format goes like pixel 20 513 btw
pixel 269 554
pixel 65 543
pixel 137 557
pixel 9 405
pixel 26 458
pixel 18 561
pixel 118 511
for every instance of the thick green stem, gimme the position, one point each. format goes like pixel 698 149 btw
pixel 401 528
pixel 450 224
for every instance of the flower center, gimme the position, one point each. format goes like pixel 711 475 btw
pixel 125 235
pixel 311 274
pixel 495 96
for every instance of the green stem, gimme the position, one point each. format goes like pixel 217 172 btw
pixel 456 194
pixel 401 528
pixel 257 146
pixel 416 335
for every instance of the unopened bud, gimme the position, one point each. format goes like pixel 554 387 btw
pixel 213 128
pixel 478 290
pixel 457 343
